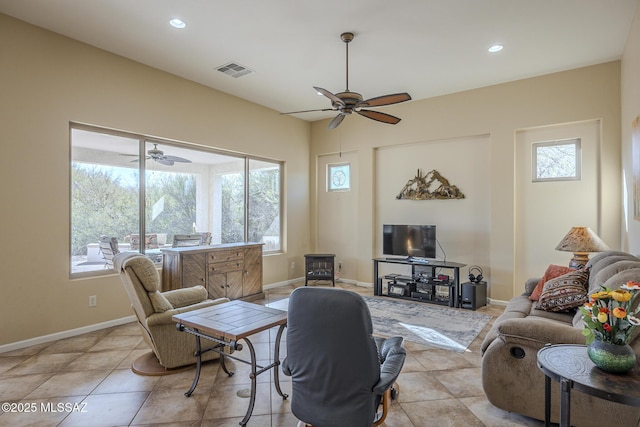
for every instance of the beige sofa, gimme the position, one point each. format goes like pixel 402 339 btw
pixel 510 376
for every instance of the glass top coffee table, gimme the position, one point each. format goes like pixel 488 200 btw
pixel 226 324
pixel 570 365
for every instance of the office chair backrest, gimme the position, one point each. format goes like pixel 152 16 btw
pixel 332 357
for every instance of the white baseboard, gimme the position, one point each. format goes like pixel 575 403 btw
pixel 301 279
pixel 497 302
pixel 116 322
pixel 285 283
pixel 65 334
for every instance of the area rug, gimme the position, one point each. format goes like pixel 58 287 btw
pixel 441 327
pixel 431 325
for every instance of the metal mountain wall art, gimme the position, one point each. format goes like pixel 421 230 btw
pixel 428 187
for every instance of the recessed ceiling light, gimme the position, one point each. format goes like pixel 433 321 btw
pixel 177 23
pixel 496 48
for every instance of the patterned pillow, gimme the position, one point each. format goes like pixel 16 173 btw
pixel 566 292
pixel 552 272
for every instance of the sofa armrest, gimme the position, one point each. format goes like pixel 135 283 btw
pixel 538 332
pixel 530 285
pixel 159 319
pixel 203 304
pixel 186 296
pixel 165 318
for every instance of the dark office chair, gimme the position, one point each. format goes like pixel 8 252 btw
pixel 340 373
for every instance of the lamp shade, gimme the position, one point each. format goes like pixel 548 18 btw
pixel 581 241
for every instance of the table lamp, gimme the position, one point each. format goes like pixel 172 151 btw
pixel 581 241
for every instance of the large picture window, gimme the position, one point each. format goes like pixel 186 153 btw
pixel 134 193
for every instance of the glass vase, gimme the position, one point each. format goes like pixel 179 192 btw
pixel 613 358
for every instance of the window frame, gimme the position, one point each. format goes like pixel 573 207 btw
pixel 576 142
pixel 329 183
pixel 142 141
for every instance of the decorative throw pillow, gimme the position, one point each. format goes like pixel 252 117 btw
pixel 566 292
pixel 552 272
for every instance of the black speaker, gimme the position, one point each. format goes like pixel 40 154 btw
pixel 477 277
pixel 473 295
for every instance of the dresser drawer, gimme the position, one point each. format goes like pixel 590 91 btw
pixel 230 255
pixel 225 267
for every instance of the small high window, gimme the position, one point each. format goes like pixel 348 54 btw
pixel 556 161
pixel 339 177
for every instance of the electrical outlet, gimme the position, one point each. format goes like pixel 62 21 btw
pixel 93 300
pixel 293 265
pixel 339 266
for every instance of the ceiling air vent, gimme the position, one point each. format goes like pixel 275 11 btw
pixel 234 70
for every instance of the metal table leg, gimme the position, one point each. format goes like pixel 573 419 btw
pixel 547 401
pixel 198 367
pixel 252 375
pixel 565 402
pixel 255 369
pixel 276 361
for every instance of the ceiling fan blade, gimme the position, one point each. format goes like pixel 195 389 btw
pixel 164 162
pixel 381 117
pixel 336 121
pixel 385 100
pixel 176 159
pixel 309 111
pixel 329 95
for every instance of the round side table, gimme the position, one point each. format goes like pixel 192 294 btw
pixel 570 365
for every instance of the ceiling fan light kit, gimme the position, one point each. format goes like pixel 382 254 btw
pixel 348 102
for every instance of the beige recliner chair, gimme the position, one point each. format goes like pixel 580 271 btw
pixel 154 310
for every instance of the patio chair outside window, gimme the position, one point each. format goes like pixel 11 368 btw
pixel 197 239
pixel 108 248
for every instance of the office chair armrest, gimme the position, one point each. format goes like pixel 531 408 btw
pixel 186 296
pixel 386 344
pixel 285 367
pixel 391 366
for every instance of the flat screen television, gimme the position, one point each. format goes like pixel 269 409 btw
pixel 409 240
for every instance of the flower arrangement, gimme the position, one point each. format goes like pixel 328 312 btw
pixel 610 315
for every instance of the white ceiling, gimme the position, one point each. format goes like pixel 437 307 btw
pixel 424 47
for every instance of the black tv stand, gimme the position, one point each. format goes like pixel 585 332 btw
pixel 424 284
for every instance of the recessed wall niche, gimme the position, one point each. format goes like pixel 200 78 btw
pixel 463 225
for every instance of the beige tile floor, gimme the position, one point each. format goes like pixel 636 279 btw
pixel 87 381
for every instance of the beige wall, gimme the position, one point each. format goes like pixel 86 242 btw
pixel 554 206
pixel 46 81
pixel 630 110
pixel 591 93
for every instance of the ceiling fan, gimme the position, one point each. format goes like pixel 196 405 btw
pixel 158 156
pixel 347 102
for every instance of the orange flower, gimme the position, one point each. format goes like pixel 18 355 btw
pixel 588 304
pixel 631 285
pixel 620 312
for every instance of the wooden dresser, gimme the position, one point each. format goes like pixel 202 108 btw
pixel 231 270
